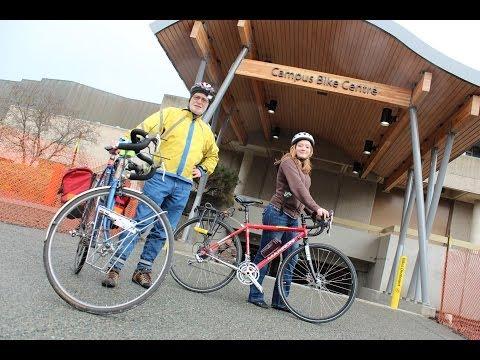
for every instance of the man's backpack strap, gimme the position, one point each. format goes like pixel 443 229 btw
pixel 170 129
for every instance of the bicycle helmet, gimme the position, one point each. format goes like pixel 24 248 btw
pixel 204 88
pixel 303 136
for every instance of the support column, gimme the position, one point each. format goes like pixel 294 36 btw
pixel 433 209
pixel 243 173
pixel 417 168
pixel 201 70
pixel 223 129
pixel 475 227
pixel 414 289
pixel 408 202
pixel 213 125
pixel 223 88
pixel 431 178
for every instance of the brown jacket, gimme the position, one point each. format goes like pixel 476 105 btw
pixel 290 178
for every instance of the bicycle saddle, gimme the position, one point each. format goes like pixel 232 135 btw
pixel 246 202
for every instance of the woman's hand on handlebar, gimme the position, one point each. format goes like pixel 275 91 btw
pixel 322 213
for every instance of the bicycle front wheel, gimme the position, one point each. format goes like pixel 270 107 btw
pixel 81 247
pixel 192 268
pixel 323 295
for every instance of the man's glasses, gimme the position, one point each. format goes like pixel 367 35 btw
pixel 203 100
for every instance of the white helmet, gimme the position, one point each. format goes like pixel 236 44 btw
pixel 303 136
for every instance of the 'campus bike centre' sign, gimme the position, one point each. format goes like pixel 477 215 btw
pixel 324 82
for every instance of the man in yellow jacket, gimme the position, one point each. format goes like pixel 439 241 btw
pixel 187 150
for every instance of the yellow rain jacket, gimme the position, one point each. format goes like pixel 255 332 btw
pixel 188 144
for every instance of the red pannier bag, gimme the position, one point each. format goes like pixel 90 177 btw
pixel 74 182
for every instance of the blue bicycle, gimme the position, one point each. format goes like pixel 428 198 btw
pixel 80 250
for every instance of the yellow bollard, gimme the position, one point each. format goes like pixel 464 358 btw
pixel 398 282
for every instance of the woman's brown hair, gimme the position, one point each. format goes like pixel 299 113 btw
pixel 304 165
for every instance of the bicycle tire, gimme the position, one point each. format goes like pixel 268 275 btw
pixel 70 286
pixel 191 274
pixel 337 277
pixel 82 248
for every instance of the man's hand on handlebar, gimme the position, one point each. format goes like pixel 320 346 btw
pixel 322 213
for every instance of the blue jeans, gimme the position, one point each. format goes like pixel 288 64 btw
pixel 272 216
pixel 172 196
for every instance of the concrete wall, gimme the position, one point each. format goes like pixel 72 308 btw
pixel 387 211
pixel 463 173
pixel 461 221
pixel 355 200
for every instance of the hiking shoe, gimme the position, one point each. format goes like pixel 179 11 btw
pixel 281 308
pixel 142 278
pixel 111 280
pixel 259 303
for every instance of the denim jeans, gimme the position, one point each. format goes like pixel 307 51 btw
pixel 272 216
pixel 172 196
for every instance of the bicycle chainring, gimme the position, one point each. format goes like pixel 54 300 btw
pixel 247 267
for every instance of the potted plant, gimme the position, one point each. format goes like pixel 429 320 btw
pixel 218 190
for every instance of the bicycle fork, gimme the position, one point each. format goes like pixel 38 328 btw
pixel 309 261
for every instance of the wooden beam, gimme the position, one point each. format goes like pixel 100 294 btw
pixel 245 32
pixel 259 93
pixel 246 38
pixel 422 89
pixel 204 49
pixel 200 40
pixel 386 141
pixel 419 93
pixel 468 112
pixel 320 81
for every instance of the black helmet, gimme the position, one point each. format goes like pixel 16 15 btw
pixel 204 88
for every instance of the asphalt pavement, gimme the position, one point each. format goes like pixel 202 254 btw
pixel 30 309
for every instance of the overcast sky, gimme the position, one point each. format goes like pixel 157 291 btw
pixel 125 58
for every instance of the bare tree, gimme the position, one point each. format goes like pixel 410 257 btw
pixel 39 124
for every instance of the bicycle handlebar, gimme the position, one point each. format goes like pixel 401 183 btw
pixel 322 224
pixel 137 145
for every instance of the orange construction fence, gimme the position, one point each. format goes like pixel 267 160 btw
pixel 460 305
pixel 29 192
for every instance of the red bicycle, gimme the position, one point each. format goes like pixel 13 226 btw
pixel 317 282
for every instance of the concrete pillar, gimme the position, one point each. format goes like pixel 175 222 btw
pixel 243 173
pixel 475 227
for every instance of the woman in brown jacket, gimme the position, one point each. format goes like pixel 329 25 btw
pixel 291 196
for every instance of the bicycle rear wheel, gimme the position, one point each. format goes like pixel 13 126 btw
pixel 204 274
pixel 325 296
pixel 78 252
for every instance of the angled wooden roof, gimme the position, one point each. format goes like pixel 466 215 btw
pixel 349 48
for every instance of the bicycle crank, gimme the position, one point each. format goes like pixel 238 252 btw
pixel 248 274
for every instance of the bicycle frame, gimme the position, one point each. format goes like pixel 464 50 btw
pixel 111 177
pixel 246 227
